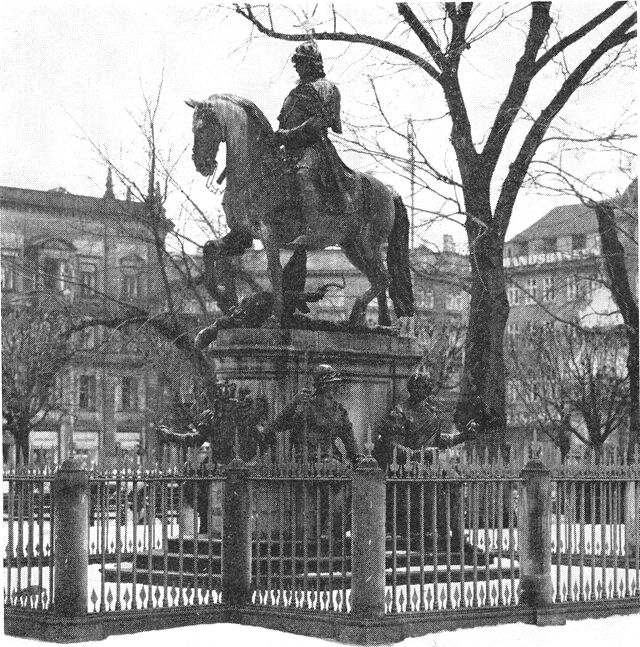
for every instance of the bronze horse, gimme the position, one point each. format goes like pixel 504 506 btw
pixel 259 195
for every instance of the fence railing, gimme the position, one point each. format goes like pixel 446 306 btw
pixel 28 513
pixel 430 535
pixel 596 533
pixel 453 529
pixel 301 534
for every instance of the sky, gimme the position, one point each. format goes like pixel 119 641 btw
pixel 73 77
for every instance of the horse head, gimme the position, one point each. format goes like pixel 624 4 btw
pixel 208 134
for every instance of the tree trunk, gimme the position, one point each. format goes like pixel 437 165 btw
pixel 22 448
pixel 614 257
pixel 482 394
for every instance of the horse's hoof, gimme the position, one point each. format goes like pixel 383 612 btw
pixel 271 322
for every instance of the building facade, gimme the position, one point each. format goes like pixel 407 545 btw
pixel 556 277
pixel 92 255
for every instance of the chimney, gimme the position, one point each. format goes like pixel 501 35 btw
pixel 109 185
pixel 448 246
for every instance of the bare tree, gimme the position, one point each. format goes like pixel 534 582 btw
pixel 36 346
pixel 617 222
pixel 572 382
pixel 445 42
pixel 443 354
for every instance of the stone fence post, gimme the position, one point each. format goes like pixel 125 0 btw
pixel 534 536
pixel 236 536
pixel 71 538
pixel 368 539
pixel 632 516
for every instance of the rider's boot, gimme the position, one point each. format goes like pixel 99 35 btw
pixel 235 243
pixel 310 203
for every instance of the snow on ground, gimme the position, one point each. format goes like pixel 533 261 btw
pixel 617 631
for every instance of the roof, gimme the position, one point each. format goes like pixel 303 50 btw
pixel 561 221
pixel 61 200
pixel 573 218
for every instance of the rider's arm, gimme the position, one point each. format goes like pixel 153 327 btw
pixel 192 437
pixel 307 132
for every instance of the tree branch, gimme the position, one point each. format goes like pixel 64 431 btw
pixel 422 33
pixel 519 167
pixel 575 36
pixel 520 82
pixel 247 13
pixel 459 20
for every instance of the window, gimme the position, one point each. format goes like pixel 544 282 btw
pixel 87 395
pixel 513 296
pixel 454 302
pixel 578 241
pixel 87 338
pixel 129 394
pixel 9 274
pixel 55 273
pixel 572 288
pixel 549 293
pixel 513 329
pixel 130 286
pixel 424 298
pixel 131 277
pixel 88 274
pixel 532 291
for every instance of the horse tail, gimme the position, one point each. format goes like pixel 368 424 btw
pixel 400 290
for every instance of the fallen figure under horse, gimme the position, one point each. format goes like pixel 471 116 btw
pixel 259 194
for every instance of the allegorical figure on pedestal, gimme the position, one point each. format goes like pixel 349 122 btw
pixel 315 420
pixel 320 432
pixel 233 423
pixel 414 424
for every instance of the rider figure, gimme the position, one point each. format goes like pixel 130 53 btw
pixel 309 110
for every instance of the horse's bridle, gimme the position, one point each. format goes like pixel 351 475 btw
pixel 212 177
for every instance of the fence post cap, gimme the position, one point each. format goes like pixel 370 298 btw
pixel 536 465
pixel 236 464
pixel 367 464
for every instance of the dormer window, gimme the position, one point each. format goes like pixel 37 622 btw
pixel 549 245
pixel 578 241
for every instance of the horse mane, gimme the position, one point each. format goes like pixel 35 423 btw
pixel 251 109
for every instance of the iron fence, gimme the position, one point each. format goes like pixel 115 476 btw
pixel 157 534
pixel 28 514
pixel 596 519
pixel 452 528
pixel 301 533
pixel 435 535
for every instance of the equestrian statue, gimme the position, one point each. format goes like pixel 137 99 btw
pixel 290 189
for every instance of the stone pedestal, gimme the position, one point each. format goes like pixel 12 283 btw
pixel 278 363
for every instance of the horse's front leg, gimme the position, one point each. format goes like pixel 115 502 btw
pixel 272 250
